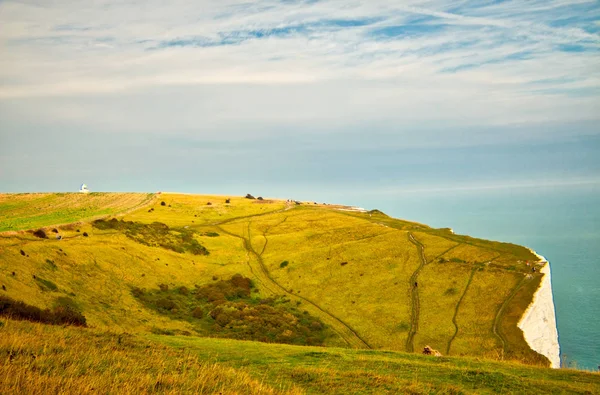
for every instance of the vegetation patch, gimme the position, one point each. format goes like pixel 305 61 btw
pixel 156 234
pixel 46 285
pixel 64 312
pixel 40 233
pixel 227 309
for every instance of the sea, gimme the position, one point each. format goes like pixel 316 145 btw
pixel 562 223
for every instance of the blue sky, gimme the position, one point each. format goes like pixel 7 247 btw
pixel 305 97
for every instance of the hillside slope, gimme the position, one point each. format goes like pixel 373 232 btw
pixel 374 281
pixel 42 359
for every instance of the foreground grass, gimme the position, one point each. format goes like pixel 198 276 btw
pixel 36 359
pixel 40 359
pixel 345 371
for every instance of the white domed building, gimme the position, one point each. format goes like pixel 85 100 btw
pixel 84 189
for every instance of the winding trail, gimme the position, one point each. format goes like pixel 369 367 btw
pixel 260 272
pixel 415 308
pixel 500 314
pixel 456 310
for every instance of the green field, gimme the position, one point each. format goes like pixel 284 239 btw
pixel 42 359
pixel 154 264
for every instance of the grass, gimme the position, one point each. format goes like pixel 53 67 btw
pixel 350 270
pixel 36 359
pixel 39 359
pixel 34 210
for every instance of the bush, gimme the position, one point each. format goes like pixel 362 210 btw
pixel 163 203
pixel 138 292
pixel 183 290
pixel 163 287
pixel 451 291
pixel 46 285
pixel 40 233
pixel 227 201
pixel 156 234
pixel 283 264
pixel 248 196
pixel 166 304
pixel 64 312
pixel 85 234
pixel 197 312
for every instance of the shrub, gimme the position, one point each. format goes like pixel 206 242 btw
pixel 138 292
pixel 209 204
pixel 51 264
pixel 46 285
pixel 156 234
pixel 40 233
pixel 183 290
pixel 163 203
pixel 165 304
pixel 85 234
pixel 23 253
pixel 343 263
pixel 197 312
pixel 163 287
pixel 451 291
pixel 260 198
pixel 283 264
pixel 248 196
pixel 55 230
pixel 63 313
pixel 227 201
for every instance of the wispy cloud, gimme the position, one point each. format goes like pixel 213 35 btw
pixel 341 62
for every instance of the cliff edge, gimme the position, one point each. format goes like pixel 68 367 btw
pixel 539 320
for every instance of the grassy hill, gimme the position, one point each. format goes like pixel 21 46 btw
pixel 267 270
pixel 43 359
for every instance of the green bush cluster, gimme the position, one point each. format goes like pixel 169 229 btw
pixel 64 312
pixel 156 234
pixel 227 309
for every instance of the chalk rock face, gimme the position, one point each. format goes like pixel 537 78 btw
pixel 539 321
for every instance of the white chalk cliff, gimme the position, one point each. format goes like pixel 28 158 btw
pixel 539 320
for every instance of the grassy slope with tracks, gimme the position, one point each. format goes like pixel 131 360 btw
pixel 376 281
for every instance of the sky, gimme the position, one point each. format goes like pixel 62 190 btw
pixel 304 98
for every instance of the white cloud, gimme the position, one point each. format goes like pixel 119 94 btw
pixel 464 65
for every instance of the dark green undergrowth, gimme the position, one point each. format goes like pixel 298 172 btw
pixel 228 309
pixel 64 312
pixel 156 234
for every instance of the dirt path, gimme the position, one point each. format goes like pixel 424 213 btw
pixel 414 289
pixel 456 311
pixel 261 273
pixel 500 314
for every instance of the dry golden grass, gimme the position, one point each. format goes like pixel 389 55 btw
pixel 352 270
pixel 40 359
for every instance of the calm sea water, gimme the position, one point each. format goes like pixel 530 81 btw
pixel 560 223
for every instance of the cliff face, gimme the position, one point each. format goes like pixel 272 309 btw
pixel 539 321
